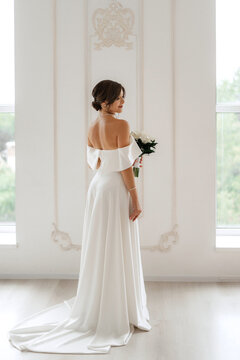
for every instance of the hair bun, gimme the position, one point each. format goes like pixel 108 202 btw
pixel 96 105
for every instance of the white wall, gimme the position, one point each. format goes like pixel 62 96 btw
pixel 194 255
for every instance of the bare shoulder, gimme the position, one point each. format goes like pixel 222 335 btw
pixel 123 126
pixel 123 133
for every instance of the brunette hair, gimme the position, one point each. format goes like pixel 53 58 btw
pixel 106 90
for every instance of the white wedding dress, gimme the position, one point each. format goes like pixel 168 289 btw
pixel 111 297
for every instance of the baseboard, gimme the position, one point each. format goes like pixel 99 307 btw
pixel 179 278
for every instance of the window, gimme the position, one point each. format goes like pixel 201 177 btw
pixel 228 124
pixel 7 122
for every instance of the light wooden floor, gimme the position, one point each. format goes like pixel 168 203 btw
pixel 190 321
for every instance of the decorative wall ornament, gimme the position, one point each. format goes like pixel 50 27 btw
pixel 113 26
pixel 165 242
pixel 63 239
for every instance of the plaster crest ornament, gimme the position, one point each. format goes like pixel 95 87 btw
pixel 113 26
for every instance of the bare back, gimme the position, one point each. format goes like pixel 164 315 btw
pixel 103 133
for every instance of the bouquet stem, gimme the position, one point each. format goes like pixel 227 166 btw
pixel 136 167
pixel 136 171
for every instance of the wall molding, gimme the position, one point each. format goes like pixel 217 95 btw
pixel 115 8
pixel 171 237
pixel 62 238
pixel 167 278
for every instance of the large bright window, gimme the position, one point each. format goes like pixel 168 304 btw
pixel 7 116
pixel 228 124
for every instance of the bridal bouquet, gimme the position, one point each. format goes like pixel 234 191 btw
pixel 147 145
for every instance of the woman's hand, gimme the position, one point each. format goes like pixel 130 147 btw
pixel 140 161
pixel 136 211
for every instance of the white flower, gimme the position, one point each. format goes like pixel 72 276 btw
pixel 143 136
pixel 136 134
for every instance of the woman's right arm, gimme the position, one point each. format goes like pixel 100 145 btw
pixel 127 174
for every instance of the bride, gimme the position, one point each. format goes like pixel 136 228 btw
pixel 110 299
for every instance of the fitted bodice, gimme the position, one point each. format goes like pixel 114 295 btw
pixel 114 160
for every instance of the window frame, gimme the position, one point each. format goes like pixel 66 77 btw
pixel 227 237
pixel 8 230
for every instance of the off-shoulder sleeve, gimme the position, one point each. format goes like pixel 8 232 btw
pixel 122 158
pixel 114 160
pixel 92 156
pixel 128 155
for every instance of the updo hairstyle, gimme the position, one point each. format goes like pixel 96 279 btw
pixel 106 90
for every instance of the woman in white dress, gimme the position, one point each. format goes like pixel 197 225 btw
pixel 111 297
